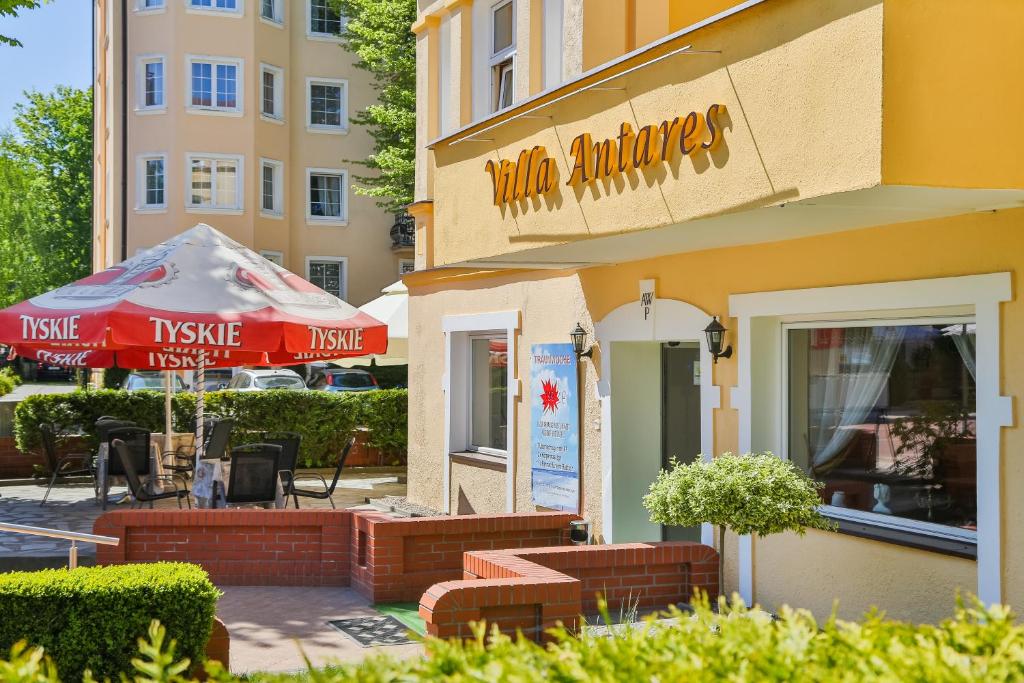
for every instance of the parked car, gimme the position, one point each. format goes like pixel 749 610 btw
pixel 261 380
pixel 342 379
pixel 151 379
pixel 217 379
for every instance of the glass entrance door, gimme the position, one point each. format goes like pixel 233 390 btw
pixel 680 416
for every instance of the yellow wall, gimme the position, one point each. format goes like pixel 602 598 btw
pixel 793 140
pixel 808 571
pixel 951 93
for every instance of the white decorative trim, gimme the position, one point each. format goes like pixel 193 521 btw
pixel 982 292
pixel 456 338
pixel 278 166
pixel 140 183
pixel 279 93
pixel 140 84
pixel 236 13
pixel 674 321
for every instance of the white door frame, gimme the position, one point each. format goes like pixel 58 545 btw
pixel 672 320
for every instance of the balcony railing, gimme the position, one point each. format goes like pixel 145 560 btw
pixel 73 536
pixel 403 232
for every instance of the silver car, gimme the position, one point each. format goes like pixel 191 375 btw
pixel 263 380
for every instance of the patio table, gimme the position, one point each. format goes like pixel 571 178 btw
pixel 210 486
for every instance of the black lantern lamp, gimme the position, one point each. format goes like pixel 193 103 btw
pixel 579 340
pixel 716 336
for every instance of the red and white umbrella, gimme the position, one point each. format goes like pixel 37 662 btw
pixel 199 298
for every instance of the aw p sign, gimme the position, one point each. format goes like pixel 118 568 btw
pixel 648 298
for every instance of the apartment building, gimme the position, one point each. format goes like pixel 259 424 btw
pixel 237 113
pixel 656 229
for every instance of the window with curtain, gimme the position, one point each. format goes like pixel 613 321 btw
pixel 885 417
pixel 213 183
pixel 488 393
pixel 326 198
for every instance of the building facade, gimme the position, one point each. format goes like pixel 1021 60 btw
pixel 236 113
pixel 834 180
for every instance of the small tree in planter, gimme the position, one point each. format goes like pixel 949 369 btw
pixel 757 493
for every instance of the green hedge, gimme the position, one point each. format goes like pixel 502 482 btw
pixel 977 644
pixel 325 419
pixel 92 617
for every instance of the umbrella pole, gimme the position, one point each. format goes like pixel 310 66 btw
pixel 200 387
pixel 168 378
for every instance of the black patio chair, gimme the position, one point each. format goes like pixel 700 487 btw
pixel 62 466
pixel 141 493
pixel 183 459
pixel 253 477
pixel 290 442
pixel 136 440
pixel 328 489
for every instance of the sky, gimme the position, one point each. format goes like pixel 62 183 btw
pixel 57 50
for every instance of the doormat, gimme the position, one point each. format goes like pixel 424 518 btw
pixel 374 631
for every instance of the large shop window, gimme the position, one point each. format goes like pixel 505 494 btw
pixel 488 399
pixel 885 416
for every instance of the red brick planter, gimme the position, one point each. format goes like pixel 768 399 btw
pixel 533 589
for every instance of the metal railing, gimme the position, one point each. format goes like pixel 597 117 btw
pixel 73 536
pixel 403 231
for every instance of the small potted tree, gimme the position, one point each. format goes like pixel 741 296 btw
pixel 757 493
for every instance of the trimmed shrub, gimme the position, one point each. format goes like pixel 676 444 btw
pixel 977 644
pixel 325 419
pixel 91 618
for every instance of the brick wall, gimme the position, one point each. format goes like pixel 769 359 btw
pixel 533 589
pixel 236 547
pixel 17 465
pixel 396 560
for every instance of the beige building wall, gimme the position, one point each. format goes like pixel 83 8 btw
pixel 175 33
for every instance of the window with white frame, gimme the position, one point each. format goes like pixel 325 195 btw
pixel 488 392
pixel 271 10
pixel 231 6
pixel 323 19
pixel 502 54
pixel 327 195
pixel 327 104
pixel 144 5
pixel 271 175
pixel 271 92
pixel 885 415
pixel 276 257
pixel 214 182
pixel 215 84
pixel 405 266
pixel 151 83
pixel 152 182
pixel 327 273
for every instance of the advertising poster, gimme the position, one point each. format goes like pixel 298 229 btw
pixel 555 427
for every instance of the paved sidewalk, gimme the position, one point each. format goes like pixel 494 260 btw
pixel 269 624
pixel 71 507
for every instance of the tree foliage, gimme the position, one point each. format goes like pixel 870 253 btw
pixel 378 34
pixel 10 8
pixel 46 193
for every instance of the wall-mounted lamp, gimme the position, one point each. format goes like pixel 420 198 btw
pixel 579 340
pixel 579 532
pixel 716 335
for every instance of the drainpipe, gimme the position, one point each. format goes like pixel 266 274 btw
pixel 124 130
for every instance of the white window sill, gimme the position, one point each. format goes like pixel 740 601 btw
pixel 148 111
pixel 213 209
pixel 204 111
pixel 900 524
pixel 272 22
pixel 326 222
pixel 277 216
pixel 143 11
pixel 328 130
pixel 209 11
pixel 151 209
pixel 479 459
pixel 272 119
pixel 323 37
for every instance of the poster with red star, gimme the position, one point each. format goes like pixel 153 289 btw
pixel 555 427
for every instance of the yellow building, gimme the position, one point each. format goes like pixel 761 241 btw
pixel 837 180
pixel 236 113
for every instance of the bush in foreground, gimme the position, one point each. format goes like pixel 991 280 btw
pixel 977 644
pixel 91 618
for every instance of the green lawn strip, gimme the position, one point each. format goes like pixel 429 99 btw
pixel 406 612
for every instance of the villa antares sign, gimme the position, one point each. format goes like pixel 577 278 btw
pixel 534 173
